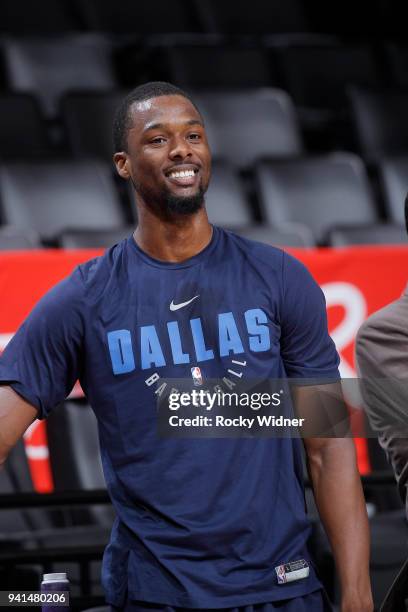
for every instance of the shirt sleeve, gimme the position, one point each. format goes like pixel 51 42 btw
pixel 43 359
pixel 307 350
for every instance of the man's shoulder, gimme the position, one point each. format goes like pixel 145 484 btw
pixel 99 269
pixel 391 318
pixel 266 253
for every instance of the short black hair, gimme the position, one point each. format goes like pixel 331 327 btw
pixel 122 120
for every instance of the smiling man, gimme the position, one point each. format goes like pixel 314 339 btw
pixel 215 523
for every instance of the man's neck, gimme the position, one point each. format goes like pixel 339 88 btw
pixel 173 240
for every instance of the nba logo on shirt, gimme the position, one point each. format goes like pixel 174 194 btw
pixel 281 574
pixel 196 374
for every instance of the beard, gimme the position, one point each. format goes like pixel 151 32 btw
pixel 168 203
pixel 186 205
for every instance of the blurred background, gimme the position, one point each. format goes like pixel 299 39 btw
pixel 305 105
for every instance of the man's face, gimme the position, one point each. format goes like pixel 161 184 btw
pixel 168 157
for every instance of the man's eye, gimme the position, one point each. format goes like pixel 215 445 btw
pixel 158 140
pixel 194 136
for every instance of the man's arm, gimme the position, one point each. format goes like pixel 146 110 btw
pixel 340 501
pixel 16 415
pixel 381 357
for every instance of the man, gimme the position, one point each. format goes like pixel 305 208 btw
pixel 381 356
pixel 200 523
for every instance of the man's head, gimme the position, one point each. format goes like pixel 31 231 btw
pixel 161 146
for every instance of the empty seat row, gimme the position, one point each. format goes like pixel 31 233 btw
pixel 316 74
pixel 159 16
pixel 242 126
pixel 318 193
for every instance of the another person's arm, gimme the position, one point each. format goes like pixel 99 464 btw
pixel 16 415
pixel 340 501
pixel 310 357
pixel 381 357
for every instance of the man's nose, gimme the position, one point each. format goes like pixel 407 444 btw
pixel 180 148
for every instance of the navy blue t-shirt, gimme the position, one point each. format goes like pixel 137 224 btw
pixel 200 522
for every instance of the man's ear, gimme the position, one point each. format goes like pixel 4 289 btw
pixel 122 164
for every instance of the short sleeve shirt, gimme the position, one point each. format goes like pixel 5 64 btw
pixel 200 522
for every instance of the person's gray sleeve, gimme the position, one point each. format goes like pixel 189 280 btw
pixel 382 365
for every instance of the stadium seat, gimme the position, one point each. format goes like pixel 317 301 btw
pixel 209 66
pixel 394 181
pixel 244 125
pixel 381 123
pixel 368 234
pixel 290 235
pixel 15 238
pixel 88 118
pixel 319 192
pixel 397 55
pixel 144 19
pixel 317 76
pixel 94 239
pixel 23 132
pixel 37 18
pixel 49 67
pixel 256 19
pixel 50 197
pixel 226 202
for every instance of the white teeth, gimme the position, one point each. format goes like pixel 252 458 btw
pixel 182 174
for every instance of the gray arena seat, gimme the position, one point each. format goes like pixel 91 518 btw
pixel 23 132
pixel 319 192
pixel 397 55
pixel 143 18
pixel 258 18
pixel 48 67
pixel 317 76
pixel 226 201
pixel 95 239
pixel 88 118
pixel 290 235
pixel 244 125
pixel 49 197
pixel 381 233
pixel 189 66
pixel 37 18
pixel 15 238
pixel 394 181
pixel 381 123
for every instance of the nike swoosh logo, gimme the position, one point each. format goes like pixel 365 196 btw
pixel 174 307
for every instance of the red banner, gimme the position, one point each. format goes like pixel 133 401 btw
pixel 356 281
